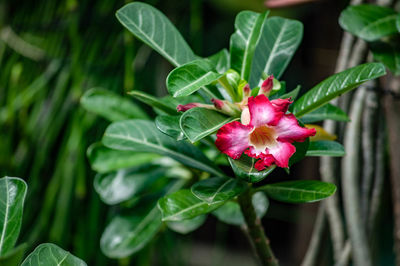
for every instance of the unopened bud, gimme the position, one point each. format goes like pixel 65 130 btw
pixel 226 107
pixel 267 86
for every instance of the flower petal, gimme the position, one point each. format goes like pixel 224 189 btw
pixel 282 152
pixel 281 104
pixel 262 112
pixel 233 139
pixel 288 129
pixel 264 162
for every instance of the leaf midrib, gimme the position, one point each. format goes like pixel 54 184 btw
pixel 377 22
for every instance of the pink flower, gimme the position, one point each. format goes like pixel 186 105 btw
pixel 265 133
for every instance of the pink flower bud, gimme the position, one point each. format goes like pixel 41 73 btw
pixel 184 108
pixel 267 86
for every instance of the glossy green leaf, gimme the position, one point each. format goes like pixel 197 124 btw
pixel 154 102
pixel 12 197
pixel 300 191
pixel 243 42
pixel 220 60
pixel 369 22
pixel 218 189
pixel 279 41
pixel 14 256
pixel 183 205
pixel 120 186
pixel 198 123
pixel 103 159
pixel 230 212
pixel 244 169
pixel 325 148
pixel 169 125
pixel 143 136
pixel 389 54
pixel 187 226
pixel 49 254
pixel 327 111
pixel 153 28
pixel 190 77
pixel 291 94
pixel 301 150
pixel 110 105
pixel 336 85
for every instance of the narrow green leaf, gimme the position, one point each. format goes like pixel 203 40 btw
pixel 103 159
pixel 143 136
pixel 198 123
pixel 325 148
pixel 300 191
pixel 110 105
pixel 336 85
pixel 279 40
pixel 327 111
pixel 50 254
pixel 183 205
pixel 153 102
pixel 369 22
pixel 218 189
pixel 387 53
pixel 169 125
pixel 220 60
pixel 244 169
pixel 12 197
pixel 190 77
pixel 291 94
pixel 188 225
pixel 243 42
pixel 153 28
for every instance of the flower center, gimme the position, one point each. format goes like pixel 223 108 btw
pixel 263 137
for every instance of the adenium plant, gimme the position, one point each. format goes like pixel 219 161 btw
pixel 227 124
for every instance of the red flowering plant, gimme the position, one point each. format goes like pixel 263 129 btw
pixel 227 124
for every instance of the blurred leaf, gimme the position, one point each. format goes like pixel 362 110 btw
pixel 389 54
pixel 230 212
pixel 220 60
pixel 103 159
pixel 327 111
pixel 218 189
pixel 183 205
pixel 154 28
pixel 110 105
pixel 321 134
pixel 369 22
pixel 325 148
pixel 336 85
pixel 197 123
pixel 398 23
pixel 153 102
pixel 169 125
pixel 300 191
pixel 187 226
pixel 143 136
pixel 243 42
pixel 12 197
pixel 188 78
pixel 14 256
pixel 50 254
pixel 279 41
pixel 244 169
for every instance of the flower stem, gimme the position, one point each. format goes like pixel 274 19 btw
pixel 255 231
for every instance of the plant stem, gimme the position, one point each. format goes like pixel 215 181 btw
pixel 255 231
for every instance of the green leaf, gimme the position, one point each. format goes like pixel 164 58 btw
pixel 389 54
pixel 120 186
pixel 325 148
pixel 220 60
pixel 230 212
pixel 279 41
pixel 183 205
pixel 153 28
pixel 143 136
pixel 243 42
pixel 244 169
pixel 14 256
pixel 301 150
pixel 187 226
pixel 110 105
pixel 125 235
pixel 300 191
pixel 327 111
pixel 218 189
pixel 190 77
pixel 153 102
pixel 103 159
pixel 169 125
pixel 12 197
pixel 197 123
pixel 398 23
pixel 50 254
pixel 336 85
pixel 369 22
pixel 292 94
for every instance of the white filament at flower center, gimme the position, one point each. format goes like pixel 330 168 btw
pixel 263 137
